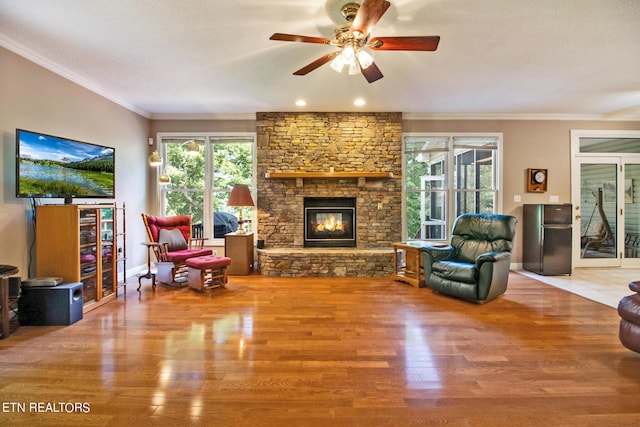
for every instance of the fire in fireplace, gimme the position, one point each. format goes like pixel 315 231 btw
pixel 329 222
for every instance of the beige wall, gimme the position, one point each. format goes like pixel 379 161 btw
pixel 36 99
pixel 542 144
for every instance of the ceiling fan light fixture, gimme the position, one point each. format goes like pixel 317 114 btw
pixel 353 36
pixel 364 59
pixel 338 63
pixel 353 68
pixel 348 57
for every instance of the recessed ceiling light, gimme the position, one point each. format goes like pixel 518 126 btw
pixel 301 102
pixel 359 102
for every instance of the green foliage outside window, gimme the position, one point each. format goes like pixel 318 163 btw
pixel 186 191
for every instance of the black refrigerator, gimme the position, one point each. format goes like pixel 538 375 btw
pixel 547 239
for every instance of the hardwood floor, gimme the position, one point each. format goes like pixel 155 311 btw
pixel 325 352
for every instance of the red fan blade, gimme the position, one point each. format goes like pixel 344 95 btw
pixel 368 15
pixel 296 38
pixel 372 73
pixel 426 43
pixel 316 64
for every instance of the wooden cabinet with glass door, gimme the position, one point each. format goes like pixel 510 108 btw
pixel 76 242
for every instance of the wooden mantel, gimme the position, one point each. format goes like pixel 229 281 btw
pixel 300 176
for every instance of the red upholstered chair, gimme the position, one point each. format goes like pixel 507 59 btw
pixel 174 246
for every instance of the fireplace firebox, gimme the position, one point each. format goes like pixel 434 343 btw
pixel 330 222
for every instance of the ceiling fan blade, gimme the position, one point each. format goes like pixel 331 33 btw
pixel 425 43
pixel 296 38
pixel 368 15
pixel 372 73
pixel 316 64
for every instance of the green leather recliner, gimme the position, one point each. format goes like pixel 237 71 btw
pixel 475 266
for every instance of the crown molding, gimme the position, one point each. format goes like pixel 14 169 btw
pixel 202 116
pixel 497 116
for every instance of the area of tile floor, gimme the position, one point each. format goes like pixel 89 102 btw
pixel 604 285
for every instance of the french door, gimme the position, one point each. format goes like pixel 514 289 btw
pixel 606 203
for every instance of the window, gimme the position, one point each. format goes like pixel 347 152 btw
pixel 446 176
pixel 201 181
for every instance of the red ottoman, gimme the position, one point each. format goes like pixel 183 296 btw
pixel 206 272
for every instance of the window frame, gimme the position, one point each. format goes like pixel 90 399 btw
pixel 210 139
pixel 450 189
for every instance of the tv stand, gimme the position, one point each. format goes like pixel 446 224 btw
pixel 78 243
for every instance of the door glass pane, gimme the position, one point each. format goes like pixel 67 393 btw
pixel 609 145
pixel 598 221
pixel 632 211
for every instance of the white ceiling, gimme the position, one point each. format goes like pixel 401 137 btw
pixel 206 58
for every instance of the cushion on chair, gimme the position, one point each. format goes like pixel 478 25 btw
pixel 456 271
pixel 174 239
pixel 181 256
pixel 209 261
pixel 474 235
pixel 157 223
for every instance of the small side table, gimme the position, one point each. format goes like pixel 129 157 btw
pixel 410 269
pixel 149 274
pixel 239 247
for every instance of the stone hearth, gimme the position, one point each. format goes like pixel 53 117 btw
pixel 319 262
pixel 328 142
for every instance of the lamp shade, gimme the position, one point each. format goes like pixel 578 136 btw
pixel 240 196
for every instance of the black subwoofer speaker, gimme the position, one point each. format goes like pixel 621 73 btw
pixel 48 306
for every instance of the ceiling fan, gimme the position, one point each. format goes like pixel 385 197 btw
pixel 352 38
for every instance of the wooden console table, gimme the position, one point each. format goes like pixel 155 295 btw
pixel 409 269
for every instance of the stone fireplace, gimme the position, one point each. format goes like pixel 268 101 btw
pixel 329 222
pixel 321 156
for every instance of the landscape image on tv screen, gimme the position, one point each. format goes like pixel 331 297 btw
pixel 50 166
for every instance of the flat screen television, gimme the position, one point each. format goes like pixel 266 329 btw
pixel 55 167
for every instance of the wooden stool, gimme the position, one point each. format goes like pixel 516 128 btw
pixel 206 272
